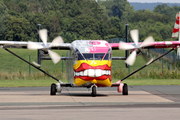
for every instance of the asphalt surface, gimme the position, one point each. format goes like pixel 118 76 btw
pixel 142 103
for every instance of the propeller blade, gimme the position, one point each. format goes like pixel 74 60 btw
pixel 148 41
pixel 135 35
pixel 43 35
pixel 125 46
pixel 131 59
pixel 34 46
pixel 56 41
pixel 38 65
pixel 54 56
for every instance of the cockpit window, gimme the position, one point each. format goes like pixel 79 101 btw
pixel 98 56
pixel 106 57
pixel 80 57
pixel 88 56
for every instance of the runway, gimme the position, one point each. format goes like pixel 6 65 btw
pixel 152 102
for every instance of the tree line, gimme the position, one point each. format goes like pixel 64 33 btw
pixel 82 19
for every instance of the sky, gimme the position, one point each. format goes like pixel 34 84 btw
pixel 151 1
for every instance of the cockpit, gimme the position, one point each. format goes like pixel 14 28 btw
pixel 92 50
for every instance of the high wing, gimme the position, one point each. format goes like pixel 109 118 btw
pixel 16 44
pixel 162 44
pixel 135 47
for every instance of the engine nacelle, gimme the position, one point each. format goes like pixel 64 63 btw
pixel 120 88
pixel 138 51
pixel 58 87
pixel 43 53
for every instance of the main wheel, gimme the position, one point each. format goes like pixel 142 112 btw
pixel 125 89
pixel 94 91
pixel 53 89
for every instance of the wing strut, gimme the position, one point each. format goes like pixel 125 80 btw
pixel 33 65
pixel 150 62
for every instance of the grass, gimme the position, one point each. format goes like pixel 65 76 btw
pixel 10 63
pixel 48 82
pixel 25 83
pixel 152 81
pixel 15 73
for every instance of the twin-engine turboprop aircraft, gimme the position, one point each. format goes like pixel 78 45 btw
pixel 89 62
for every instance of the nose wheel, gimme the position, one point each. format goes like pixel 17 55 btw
pixel 93 91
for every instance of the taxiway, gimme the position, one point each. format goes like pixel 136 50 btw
pixel 143 102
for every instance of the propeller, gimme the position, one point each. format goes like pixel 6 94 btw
pixel 136 46
pixel 43 35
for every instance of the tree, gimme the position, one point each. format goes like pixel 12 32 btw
pixel 118 28
pixel 167 10
pixel 17 29
pixel 3 14
pixel 120 8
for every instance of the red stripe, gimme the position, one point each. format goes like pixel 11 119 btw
pixel 175 30
pixel 177 21
pixel 87 78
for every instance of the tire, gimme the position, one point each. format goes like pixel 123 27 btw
pixel 125 89
pixel 53 89
pixel 94 91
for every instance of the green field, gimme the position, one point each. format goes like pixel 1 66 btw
pixel 14 72
pixel 48 82
pixel 11 64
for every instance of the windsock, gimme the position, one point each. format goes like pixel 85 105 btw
pixel 176 26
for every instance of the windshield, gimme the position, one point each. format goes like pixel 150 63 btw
pixel 88 56
pixel 98 56
pixel 80 57
pixel 107 57
pixel 92 56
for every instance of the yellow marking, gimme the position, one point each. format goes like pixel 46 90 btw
pixel 93 63
pixel 94 81
pixel 80 82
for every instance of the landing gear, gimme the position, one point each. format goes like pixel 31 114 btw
pixel 93 91
pixel 125 89
pixel 53 89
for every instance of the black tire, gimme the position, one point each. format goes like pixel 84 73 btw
pixel 125 89
pixel 53 89
pixel 94 91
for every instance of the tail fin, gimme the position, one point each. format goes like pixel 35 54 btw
pixel 176 31
pixel 176 26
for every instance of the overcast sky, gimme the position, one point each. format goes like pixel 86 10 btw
pixel 150 1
